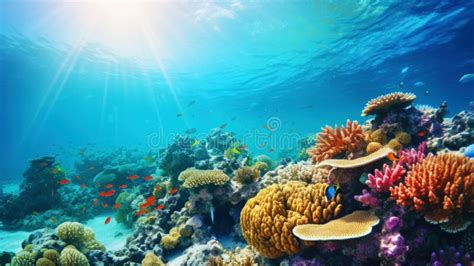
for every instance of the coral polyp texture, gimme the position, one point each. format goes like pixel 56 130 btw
pixel 303 172
pixel 267 219
pixel 332 142
pixel 354 225
pixel 441 188
pixel 195 178
pixel 361 161
pixel 384 103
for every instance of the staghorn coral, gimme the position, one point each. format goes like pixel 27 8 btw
pixel 440 187
pixel 268 218
pixel 332 142
pixel 302 172
pixel 354 225
pixel 70 256
pixel 195 178
pixel 152 260
pixel 387 102
pixel 247 175
pixel 381 181
pixel 361 161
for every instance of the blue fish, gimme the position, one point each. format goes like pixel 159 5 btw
pixel 331 192
pixel 469 152
pixel 212 214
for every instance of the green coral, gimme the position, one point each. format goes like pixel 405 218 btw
pixel 45 262
pixel 72 233
pixel 23 258
pixel 70 256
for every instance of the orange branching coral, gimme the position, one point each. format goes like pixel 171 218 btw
pixel 267 220
pixel 440 187
pixel 388 101
pixel 335 141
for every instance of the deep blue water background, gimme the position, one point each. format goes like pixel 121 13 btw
pixel 304 63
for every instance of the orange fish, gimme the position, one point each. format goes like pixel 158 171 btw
pixel 159 207
pixel 107 220
pixel 123 186
pixel 421 133
pixel 140 212
pixel 64 181
pixel 95 202
pixel 132 177
pixel 148 178
pixel 78 177
pixel 392 157
pixel 109 186
pixel 83 186
pixel 105 205
pixel 173 191
pixel 146 204
pixel 116 206
pixel 150 199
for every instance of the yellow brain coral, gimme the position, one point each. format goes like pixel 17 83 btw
pixel 268 219
pixel 70 256
pixel 196 178
pixel 354 225
pixel 23 258
pixel 71 233
pixel 51 254
pixel 152 260
pixel 45 262
pixel 388 101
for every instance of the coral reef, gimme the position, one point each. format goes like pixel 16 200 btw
pixel 302 172
pixel 354 225
pixel 332 142
pixel 384 103
pixel 441 188
pixel 268 219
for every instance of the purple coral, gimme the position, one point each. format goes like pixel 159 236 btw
pixel 367 199
pixel 381 181
pixel 451 256
pixel 392 243
pixel 409 157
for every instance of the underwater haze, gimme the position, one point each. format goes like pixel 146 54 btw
pixel 127 96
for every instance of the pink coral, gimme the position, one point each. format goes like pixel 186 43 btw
pixel 410 157
pixel 382 181
pixel 367 199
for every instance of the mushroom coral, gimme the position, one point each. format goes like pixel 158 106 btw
pixel 195 178
pixel 384 103
pixel 336 141
pixel 268 219
pixel 441 188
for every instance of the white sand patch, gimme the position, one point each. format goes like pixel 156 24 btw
pixel 113 235
pixel 11 240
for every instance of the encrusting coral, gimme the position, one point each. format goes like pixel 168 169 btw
pixel 332 142
pixel 358 162
pixel 441 188
pixel 195 178
pixel 268 219
pixel 384 103
pixel 302 172
pixel 354 225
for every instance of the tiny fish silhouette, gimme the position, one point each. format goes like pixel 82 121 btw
pixel 107 220
pixel 64 181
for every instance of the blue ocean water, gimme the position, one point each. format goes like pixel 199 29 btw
pixel 120 74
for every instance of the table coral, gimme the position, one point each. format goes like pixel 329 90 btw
pixel 354 225
pixel 335 141
pixel 195 178
pixel 267 219
pixel 383 103
pixel 440 187
pixel 381 181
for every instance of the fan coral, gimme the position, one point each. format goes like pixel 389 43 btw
pixel 384 103
pixel 361 161
pixel 152 260
pixel 354 225
pixel 336 141
pixel 440 187
pixel 247 175
pixel 195 178
pixel 268 219
pixel 382 181
pixel 367 199
pixel 302 172
pixel 70 256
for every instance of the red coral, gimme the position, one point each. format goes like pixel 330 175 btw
pixel 439 187
pixel 336 141
pixel 382 181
